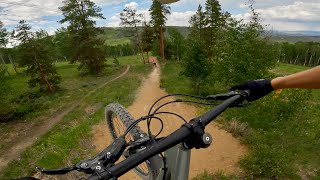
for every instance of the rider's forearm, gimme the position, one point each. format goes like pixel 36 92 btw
pixel 309 79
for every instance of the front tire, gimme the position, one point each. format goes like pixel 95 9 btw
pixel 118 120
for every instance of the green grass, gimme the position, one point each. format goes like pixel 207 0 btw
pixel 66 141
pixel 285 69
pixel 11 69
pixel 284 132
pixel 37 110
pixel 73 86
pixel 115 36
pixel 114 42
pixel 215 176
pixel 284 135
pixel 173 81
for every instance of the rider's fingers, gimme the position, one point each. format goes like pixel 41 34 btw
pixel 239 87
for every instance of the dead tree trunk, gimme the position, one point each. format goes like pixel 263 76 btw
pixel 310 60
pixel 162 44
pixel 178 57
pixel 5 66
pixel 295 61
pixel 279 58
pixel 44 76
pixel 139 44
pixel 147 56
pixel 13 65
pixel 305 59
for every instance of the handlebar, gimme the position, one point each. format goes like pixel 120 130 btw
pixel 191 134
pixel 178 136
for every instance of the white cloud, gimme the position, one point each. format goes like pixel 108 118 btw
pixel 243 5
pixel 132 5
pixel 245 16
pixel 280 26
pixel 108 2
pixel 34 11
pixel 281 14
pixel 174 19
pixel 114 21
pixel 180 18
pixel 187 3
pixel 51 31
pixel 298 11
pixel 291 15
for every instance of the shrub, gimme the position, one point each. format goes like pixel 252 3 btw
pixel 276 124
pixel 237 128
pixel 214 176
pixel 266 161
pixel 21 106
pixel 196 66
pixel 116 61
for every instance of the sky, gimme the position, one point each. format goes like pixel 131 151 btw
pixel 280 15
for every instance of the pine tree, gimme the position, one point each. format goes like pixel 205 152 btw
pixel 246 52
pixel 35 54
pixel 207 27
pixel 197 23
pixel 130 17
pixel 3 43
pixel 62 44
pixel 87 48
pixel 177 41
pixel 214 22
pixel 147 38
pixel 158 13
pixel 3 36
pixel 195 65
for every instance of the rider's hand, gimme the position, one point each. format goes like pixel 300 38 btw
pixel 258 88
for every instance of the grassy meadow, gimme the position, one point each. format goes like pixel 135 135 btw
pixel 68 142
pixel 282 131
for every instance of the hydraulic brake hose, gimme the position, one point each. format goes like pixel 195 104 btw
pixel 173 139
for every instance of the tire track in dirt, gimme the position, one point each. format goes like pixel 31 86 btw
pixel 222 155
pixel 33 133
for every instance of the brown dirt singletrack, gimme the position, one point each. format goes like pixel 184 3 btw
pixel 223 154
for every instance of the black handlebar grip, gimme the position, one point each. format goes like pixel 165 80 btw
pixel 104 175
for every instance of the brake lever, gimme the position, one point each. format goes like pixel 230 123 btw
pixel 56 171
pixel 113 152
pixel 108 156
pixel 223 96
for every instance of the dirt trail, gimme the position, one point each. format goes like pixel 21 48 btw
pixel 223 154
pixel 30 134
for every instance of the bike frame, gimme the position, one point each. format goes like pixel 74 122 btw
pixel 178 163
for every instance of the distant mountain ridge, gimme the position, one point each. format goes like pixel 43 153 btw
pixel 119 35
pixel 298 33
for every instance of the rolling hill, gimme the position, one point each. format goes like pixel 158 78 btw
pixel 120 35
